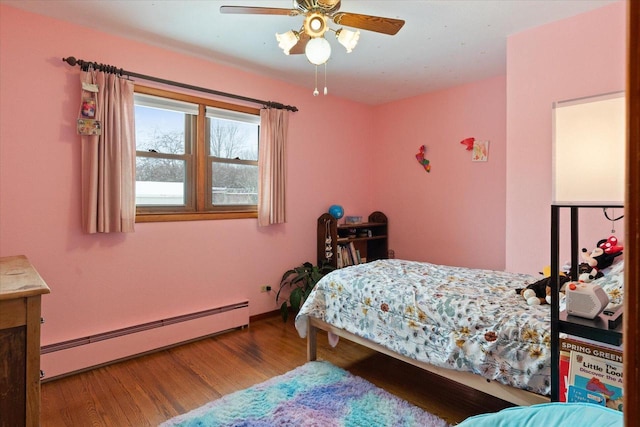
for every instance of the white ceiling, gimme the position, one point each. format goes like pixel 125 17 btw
pixel 442 44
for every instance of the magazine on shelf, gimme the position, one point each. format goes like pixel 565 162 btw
pixel 590 372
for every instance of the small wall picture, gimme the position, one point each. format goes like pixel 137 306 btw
pixel 88 108
pixel 480 151
pixel 89 127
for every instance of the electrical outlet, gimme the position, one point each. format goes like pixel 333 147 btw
pixel 265 288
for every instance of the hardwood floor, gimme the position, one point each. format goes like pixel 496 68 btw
pixel 153 388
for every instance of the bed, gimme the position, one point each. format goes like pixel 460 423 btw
pixel 549 414
pixel 464 324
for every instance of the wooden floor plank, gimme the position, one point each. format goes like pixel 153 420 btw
pixel 150 389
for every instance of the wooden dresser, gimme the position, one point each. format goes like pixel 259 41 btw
pixel 20 289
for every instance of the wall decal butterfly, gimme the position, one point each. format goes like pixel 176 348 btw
pixel 468 142
pixel 420 158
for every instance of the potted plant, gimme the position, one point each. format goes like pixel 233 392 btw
pixel 302 279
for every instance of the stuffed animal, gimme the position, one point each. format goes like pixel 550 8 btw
pixel 586 273
pixel 604 254
pixel 610 246
pixel 588 257
pixel 539 292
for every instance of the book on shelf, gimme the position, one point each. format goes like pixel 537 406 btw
pixel 354 253
pixel 348 255
pixel 344 259
pixel 590 372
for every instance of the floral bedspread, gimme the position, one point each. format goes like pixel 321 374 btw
pixel 452 317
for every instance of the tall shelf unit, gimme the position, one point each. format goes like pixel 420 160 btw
pixel 596 329
pixel 369 238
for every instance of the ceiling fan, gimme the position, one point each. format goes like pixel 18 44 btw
pixel 317 14
pixel 309 39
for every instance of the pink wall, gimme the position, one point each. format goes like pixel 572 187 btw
pixel 577 57
pixel 455 214
pixel 103 282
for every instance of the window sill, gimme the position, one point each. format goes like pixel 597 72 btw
pixel 192 216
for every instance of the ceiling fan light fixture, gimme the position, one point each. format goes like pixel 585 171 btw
pixel 311 37
pixel 315 24
pixel 287 40
pixel 347 38
pixel 318 51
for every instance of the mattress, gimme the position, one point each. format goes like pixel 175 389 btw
pixel 451 317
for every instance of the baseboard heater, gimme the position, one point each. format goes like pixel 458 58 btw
pixel 76 355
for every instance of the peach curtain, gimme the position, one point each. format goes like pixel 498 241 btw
pixel 272 166
pixel 108 160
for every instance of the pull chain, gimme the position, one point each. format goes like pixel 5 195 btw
pixel 613 219
pixel 315 91
pixel 325 78
pixel 613 222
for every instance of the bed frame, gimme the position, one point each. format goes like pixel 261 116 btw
pixel 501 391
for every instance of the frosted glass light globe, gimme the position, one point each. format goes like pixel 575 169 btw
pixel 318 50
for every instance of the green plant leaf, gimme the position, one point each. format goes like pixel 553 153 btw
pixel 296 298
pixel 284 311
pixel 302 279
pixel 282 286
pixel 286 275
pixel 305 295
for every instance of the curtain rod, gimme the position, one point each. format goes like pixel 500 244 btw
pixel 115 70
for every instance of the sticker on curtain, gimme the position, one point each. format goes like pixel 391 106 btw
pixel 87 124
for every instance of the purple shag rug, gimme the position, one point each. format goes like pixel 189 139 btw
pixel 315 394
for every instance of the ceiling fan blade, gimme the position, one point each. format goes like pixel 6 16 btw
pixel 367 22
pixel 299 47
pixel 258 10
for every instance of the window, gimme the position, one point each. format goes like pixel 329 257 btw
pixel 195 158
pixel 233 157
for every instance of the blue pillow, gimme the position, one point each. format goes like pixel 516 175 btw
pixel 548 414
